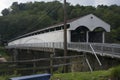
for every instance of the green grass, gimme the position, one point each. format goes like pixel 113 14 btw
pixel 115 72
pixel 6 77
pixel 96 75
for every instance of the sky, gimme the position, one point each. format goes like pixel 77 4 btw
pixel 7 3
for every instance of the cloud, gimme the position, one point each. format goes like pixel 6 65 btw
pixel 94 2
pixel 107 2
pixel 82 2
pixel 23 1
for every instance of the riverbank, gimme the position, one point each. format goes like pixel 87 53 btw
pixel 111 74
pixel 96 75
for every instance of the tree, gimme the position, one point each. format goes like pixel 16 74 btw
pixel 27 17
pixel 5 12
pixel 15 7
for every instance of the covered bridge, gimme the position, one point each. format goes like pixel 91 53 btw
pixel 88 28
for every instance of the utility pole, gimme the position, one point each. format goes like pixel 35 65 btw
pixel 0 40
pixel 65 34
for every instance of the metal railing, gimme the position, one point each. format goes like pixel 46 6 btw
pixel 99 48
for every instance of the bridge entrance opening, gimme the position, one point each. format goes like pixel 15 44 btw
pixel 82 34
pixel 79 34
pixel 97 35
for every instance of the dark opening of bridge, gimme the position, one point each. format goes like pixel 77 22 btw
pixel 97 35
pixel 83 34
pixel 79 34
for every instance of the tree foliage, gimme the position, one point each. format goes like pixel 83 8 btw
pixel 22 18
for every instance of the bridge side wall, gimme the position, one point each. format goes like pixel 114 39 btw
pixel 54 36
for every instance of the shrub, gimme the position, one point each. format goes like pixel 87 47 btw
pixel 115 73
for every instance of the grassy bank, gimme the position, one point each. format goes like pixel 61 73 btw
pixel 7 77
pixel 112 74
pixel 96 75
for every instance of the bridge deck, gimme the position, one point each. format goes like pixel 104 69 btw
pixel 112 50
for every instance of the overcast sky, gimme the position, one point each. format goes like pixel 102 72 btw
pixel 7 3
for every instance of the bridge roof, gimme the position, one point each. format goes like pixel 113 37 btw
pixel 90 21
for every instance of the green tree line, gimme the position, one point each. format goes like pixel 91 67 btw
pixel 21 18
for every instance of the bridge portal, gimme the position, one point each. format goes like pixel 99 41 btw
pixel 83 34
pixel 89 29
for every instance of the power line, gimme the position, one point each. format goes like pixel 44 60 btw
pixel 48 12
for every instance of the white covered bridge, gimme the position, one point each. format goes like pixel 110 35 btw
pixel 85 34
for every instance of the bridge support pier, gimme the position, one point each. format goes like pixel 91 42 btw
pixel 103 37
pixel 88 63
pixel 87 36
pixel 51 63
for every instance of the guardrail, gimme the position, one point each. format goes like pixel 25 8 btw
pixel 99 48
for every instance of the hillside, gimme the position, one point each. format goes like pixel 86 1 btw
pixel 22 18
